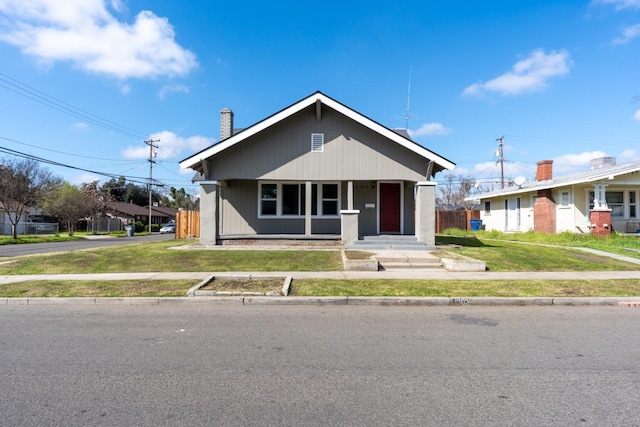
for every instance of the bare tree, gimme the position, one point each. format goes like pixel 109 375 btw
pixel 23 184
pixel 454 190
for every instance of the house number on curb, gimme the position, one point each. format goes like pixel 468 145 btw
pixel 460 301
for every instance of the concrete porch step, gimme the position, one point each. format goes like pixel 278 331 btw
pixel 387 242
pixel 408 265
pixel 392 259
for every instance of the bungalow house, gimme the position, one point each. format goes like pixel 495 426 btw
pixel 315 169
pixel 599 201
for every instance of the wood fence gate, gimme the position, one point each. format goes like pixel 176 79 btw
pixel 187 224
pixel 455 219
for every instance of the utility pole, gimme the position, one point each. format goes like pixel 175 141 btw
pixel 501 160
pixel 150 142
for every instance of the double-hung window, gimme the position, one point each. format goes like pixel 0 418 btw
pixel 287 199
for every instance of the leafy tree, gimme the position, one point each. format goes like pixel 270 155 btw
pixel 178 198
pixel 71 203
pixel 23 185
pixel 123 191
pixel 68 204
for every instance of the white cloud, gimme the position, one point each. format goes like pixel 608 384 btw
pixel 170 146
pixel 620 4
pixel 571 163
pixel 85 179
pixel 125 89
pixel 87 34
pixel 629 155
pixel 430 129
pixel 628 34
pixel 636 116
pixel 167 89
pixel 79 126
pixel 528 75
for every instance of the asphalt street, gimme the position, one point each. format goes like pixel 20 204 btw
pixel 43 248
pixel 318 365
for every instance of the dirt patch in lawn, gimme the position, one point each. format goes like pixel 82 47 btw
pixel 244 284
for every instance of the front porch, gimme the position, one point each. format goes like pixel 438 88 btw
pixel 314 212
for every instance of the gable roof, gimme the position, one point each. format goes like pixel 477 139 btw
pixel 317 98
pixel 128 209
pixel 603 174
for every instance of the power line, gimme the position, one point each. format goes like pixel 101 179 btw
pixel 9 151
pixel 64 152
pixel 36 95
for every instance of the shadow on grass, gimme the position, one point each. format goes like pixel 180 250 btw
pixel 471 242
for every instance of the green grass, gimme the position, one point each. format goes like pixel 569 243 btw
pixel 495 249
pixel 466 288
pixel 623 244
pixel 106 288
pixel 45 238
pixel 157 256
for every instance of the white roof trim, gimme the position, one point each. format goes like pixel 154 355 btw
pixel 587 177
pixel 270 121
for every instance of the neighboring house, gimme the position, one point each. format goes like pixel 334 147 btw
pixel 316 168
pixel 129 212
pixel 598 201
pixel 162 214
pixel 5 222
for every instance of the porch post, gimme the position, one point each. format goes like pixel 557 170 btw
pixel 350 195
pixel 349 226
pixel 209 226
pixel 426 213
pixel 600 215
pixel 307 208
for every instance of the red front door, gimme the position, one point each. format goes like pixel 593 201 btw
pixel 389 207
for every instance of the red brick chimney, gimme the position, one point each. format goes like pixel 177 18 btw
pixel 544 172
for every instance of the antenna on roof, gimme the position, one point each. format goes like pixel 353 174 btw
pixel 406 126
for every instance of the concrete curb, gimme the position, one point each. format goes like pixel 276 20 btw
pixel 377 301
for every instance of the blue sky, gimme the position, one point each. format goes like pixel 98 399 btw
pixel 85 82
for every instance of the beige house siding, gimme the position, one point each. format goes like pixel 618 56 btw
pixel 351 152
pixel 574 217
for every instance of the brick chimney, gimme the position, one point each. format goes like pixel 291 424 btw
pixel 226 123
pixel 544 172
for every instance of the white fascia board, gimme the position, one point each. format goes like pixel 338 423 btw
pixel 270 121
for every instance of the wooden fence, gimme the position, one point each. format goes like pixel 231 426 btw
pixel 455 219
pixel 187 224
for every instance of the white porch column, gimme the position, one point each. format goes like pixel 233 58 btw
pixel 600 196
pixel 350 195
pixel 426 213
pixel 307 208
pixel 349 226
pixel 209 226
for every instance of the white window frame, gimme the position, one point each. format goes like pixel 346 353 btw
pixel 319 201
pixel 624 204
pixel 565 199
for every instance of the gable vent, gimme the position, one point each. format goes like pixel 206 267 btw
pixel 317 142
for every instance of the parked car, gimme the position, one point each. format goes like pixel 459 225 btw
pixel 168 228
pixel 36 224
